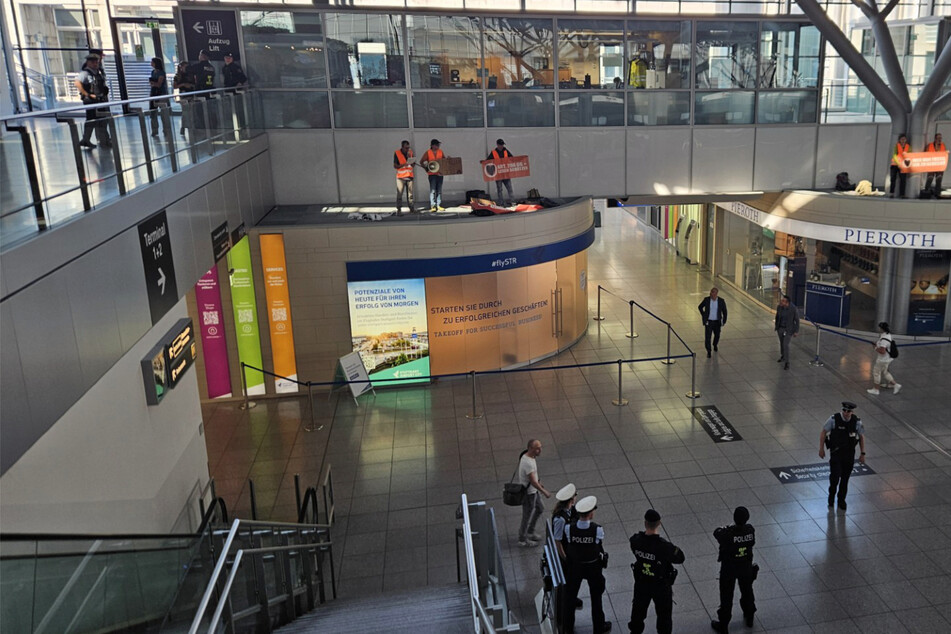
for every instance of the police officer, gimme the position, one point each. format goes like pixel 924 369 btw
pixel 203 71
pixel 203 74
pixel 840 434
pixel 584 545
pixel 654 575
pixel 736 566
pixel 561 516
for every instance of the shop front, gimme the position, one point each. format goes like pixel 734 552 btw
pixel 680 225
pixel 835 274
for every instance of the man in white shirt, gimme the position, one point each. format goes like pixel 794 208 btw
pixel 532 505
pixel 880 374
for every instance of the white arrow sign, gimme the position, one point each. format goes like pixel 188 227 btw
pixel 726 437
pixel 198 27
pixel 161 279
pixel 784 476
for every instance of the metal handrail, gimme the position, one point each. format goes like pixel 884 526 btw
pixel 226 549
pixel 478 610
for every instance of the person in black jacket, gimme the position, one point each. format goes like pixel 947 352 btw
pixel 713 312
pixel 584 545
pixel 232 75
pixel 736 566
pixel 841 433
pixel 654 575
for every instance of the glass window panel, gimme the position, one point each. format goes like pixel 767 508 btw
pixel 590 53
pixel 365 50
pixel 591 108
pixel 657 6
pixel 370 109
pixel 602 6
pixel 521 109
pixel 658 108
pixel 550 6
pixel 444 51
pixel 447 110
pixel 283 49
pixel 789 55
pixel 495 5
pixel 295 109
pixel 787 106
pixel 726 55
pixel 724 108
pixel 518 53
pixel 658 54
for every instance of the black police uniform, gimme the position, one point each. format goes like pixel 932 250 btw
pixel 585 563
pixel 654 577
pixel 736 566
pixel 232 75
pixel 841 443
pixel 204 74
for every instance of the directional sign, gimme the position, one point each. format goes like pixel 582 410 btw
pixel 715 424
pixel 214 31
pixel 220 241
pixel 818 471
pixel 159 265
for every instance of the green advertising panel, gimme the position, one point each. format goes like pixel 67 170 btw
pixel 246 314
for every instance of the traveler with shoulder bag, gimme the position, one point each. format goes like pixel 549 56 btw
pixel 513 493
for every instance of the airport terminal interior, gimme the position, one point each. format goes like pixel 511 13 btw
pixel 239 392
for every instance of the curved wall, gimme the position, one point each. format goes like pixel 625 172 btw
pixel 317 259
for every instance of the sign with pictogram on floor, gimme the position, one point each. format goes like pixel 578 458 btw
pixel 818 471
pixel 715 424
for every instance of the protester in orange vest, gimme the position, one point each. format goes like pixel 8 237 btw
pixel 403 164
pixel 898 161
pixel 435 178
pixel 935 146
pixel 499 152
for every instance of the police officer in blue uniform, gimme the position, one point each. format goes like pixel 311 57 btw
pixel 584 545
pixel 736 566
pixel 840 434
pixel 654 575
pixel 561 517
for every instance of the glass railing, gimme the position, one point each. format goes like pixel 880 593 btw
pixel 101 583
pixel 58 165
pixel 486 573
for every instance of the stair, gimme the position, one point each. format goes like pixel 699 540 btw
pixel 445 610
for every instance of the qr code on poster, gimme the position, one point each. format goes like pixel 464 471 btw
pixel 245 315
pixel 278 314
pixel 209 317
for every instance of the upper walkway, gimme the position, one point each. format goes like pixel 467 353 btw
pixel 401 459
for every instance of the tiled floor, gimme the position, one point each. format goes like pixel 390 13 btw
pixel 402 458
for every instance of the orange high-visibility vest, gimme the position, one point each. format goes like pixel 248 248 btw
pixel 496 155
pixel 932 148
pixel 900 154
pixel 405 170
pixel 430 156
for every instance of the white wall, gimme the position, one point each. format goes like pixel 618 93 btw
pixel 112 463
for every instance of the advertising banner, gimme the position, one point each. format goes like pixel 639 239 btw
pixel 212 327
pixel 246 314
pixel 388 329
pixel 509 167
pixel 928 301
pixel 279 311
pixel 916 162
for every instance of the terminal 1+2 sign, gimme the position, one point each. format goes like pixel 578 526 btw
pixel 818 471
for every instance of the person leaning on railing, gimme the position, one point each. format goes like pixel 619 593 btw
pixel 183 82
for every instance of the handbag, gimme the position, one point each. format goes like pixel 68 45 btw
pixel 513 493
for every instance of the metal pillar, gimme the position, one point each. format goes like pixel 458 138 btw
pixel 473 415
pixel 620 401
pixel 633 333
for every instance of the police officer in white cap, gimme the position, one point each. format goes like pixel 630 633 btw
pixel 586 560
pixel 560 517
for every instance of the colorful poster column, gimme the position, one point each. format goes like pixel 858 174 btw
pixel 246 314
pixel 388 328
pixel 929 291
pixel 279 312
pixel 213 344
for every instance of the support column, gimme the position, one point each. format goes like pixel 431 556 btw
pixel 886 282
pixel 901 291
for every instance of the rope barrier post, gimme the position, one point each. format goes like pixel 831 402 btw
pixel 599 317
pixel 310 403
pixel 817 362
pixel 620 401
pixel 632 334
pixel 693 393
pixel 474 415
pixel 668 360
pixel 244 385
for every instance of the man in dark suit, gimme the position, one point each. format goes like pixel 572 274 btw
pixel 713 312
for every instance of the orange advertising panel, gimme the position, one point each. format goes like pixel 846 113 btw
pixel 509 167
pixel 279 312
pixel 916 162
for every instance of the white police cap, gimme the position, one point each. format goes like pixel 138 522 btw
pixel 586 505
pixel 566 492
